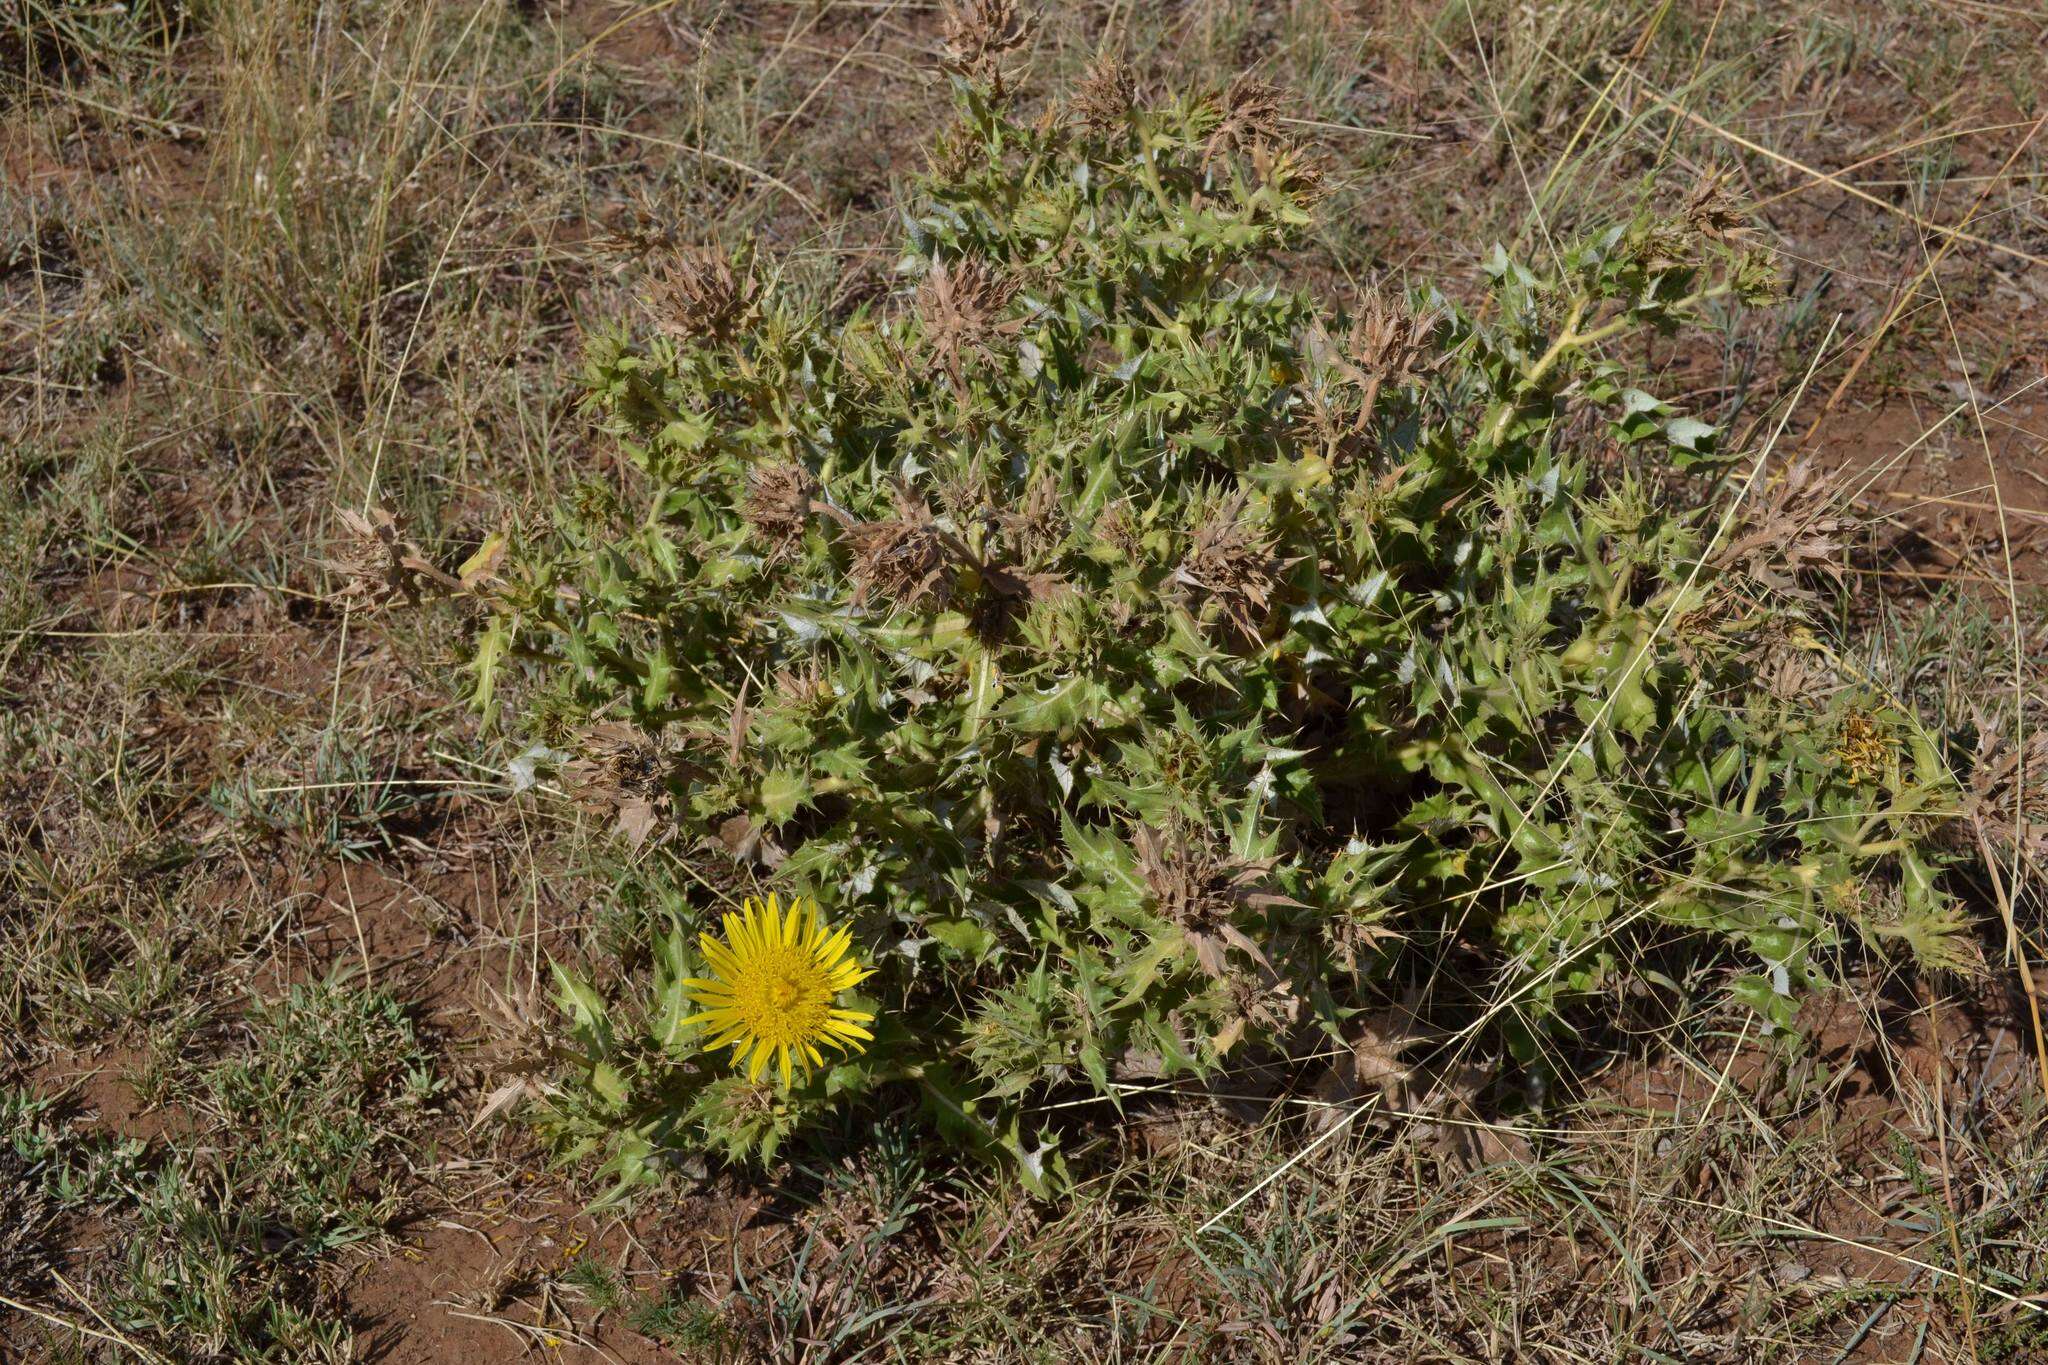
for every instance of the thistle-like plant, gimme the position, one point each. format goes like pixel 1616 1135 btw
pixel 1145 659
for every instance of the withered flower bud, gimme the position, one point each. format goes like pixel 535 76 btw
pixel 1712 212
pixel 376 564
pixel 908 558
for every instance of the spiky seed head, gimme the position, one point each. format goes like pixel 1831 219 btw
pixel 778 501
pixel 1116 533
pixel 1191 884
pixel 1199 888
pixel 806 688
pixel 1390 341
pixel 622 771
pixel 1713 212
pixel 376 563
pixel 1781 658
pixel 1107 94
pixel 1039 526
pixel 965 495
pixel 595 501
pixel 1252 112
pixel 956 154
pixel 961 304
pixel 699 294
pixel 1232 564
pixel 980 34
pixel 907 558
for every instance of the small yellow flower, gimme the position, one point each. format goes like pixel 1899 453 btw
pixel 772 988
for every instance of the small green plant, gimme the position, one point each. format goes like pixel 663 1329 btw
pixel 1146 660
pixel 601 1286
pixel 691 1326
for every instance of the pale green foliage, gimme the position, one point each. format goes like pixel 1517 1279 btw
pixel 1147 658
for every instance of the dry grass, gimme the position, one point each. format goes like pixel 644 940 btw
pixel 274 915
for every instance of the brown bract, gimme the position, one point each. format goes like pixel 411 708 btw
pixel 698 295
pixel 1232 565
pixel 1390 341
pixel 961 304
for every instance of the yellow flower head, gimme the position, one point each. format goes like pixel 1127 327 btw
pixel 773 983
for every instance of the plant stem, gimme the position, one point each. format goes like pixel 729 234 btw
pixel 1570 338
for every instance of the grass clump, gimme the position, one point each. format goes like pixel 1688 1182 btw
pixel 224 1246
pixel 1150 663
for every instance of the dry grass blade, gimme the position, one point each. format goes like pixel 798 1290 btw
pixel 1949 234
pixel 1926 272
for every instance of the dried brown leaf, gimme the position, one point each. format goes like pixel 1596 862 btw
pixel 1796 529
pixel 377 564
